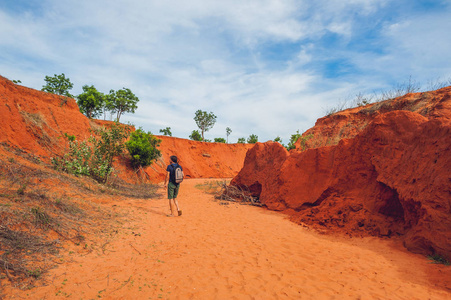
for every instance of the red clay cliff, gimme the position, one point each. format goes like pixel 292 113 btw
pixel 391 176
pixel 35 122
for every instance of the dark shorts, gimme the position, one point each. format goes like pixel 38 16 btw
pixel 173 190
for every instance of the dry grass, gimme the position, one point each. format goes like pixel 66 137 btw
pixel 36 218
pixel 211 187
pixel 238 194
pixel 37 124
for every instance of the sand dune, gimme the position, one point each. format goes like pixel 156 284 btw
pixel 217 251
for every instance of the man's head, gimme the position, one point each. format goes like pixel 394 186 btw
pixel 174 159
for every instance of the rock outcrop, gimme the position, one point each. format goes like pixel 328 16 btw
pixel 392 177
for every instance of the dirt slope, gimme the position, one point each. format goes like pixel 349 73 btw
pixel 391 178
pixel 33 120
pixel 232 251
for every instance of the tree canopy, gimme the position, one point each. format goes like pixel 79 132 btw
pixel 205 121
pixel 252 139
pixel 121 101
pixel 91 101
pixel 166 131
pixel 228 132
pixel 58 84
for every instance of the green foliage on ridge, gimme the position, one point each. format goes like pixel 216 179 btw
pixel 142 147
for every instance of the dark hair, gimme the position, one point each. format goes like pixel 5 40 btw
pixel 174 158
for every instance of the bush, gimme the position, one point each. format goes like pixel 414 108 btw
pixel 252 139
pixel 220 140
pixel 293 139
pixel 142 147
pixel 195 136
pixel 298 136
pixel 95 156
pixel 241 140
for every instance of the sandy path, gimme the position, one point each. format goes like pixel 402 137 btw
pixel 237 252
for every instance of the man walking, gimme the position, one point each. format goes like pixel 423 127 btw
pixel 173 186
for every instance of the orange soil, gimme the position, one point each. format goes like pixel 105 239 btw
pixel 233 251
pixel 382 170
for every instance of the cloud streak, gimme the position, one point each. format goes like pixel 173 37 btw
pixel 263 67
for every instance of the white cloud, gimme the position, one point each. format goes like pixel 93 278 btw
pixel 260 66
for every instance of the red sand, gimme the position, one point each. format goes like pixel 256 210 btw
pixel 233 251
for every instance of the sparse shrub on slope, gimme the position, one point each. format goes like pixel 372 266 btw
pixel 95 156
pixel 195 136
pixel 142 147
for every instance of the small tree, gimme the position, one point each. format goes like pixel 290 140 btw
pixel 278 139
pixel 241 140
pixel 228 132
pixel 166 131
pixel 252 139
pixel 58 84
pixel 142 147
pixel 91 101
pixel 205 121
pixel 195 136
pixel 121 101
pixel 220 140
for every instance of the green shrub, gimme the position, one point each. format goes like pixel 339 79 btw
pixel 195 136
pixel 438 259
pixel 252 139
pixel 95 156
pixel 295 137
pixel 142 147
pixel 219 140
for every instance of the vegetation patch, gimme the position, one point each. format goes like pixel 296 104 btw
pixel 438 259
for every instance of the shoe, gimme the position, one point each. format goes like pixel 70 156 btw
pixel 180 212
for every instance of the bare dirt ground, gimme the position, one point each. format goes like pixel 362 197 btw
pixel 219 250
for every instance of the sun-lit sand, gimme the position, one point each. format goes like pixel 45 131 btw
pixel 231 251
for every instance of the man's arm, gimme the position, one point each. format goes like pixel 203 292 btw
pixel 167 178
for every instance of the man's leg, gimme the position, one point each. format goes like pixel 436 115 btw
pixel 171 190
pixel 176 192
pixel 170 208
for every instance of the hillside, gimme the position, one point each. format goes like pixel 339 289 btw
pixel 35 122
pixel 383 170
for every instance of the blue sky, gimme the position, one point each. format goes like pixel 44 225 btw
pixel 263 67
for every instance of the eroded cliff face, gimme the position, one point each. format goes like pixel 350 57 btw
pixel 199 159
pixel 392 178
pixel 35 122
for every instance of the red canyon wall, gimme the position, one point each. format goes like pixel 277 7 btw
pixel 391 177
